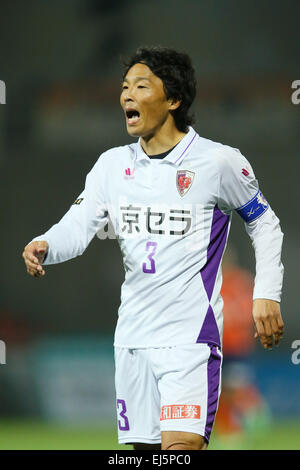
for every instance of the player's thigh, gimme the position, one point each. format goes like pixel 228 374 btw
pixel 189 389
pixel 138 401
pixel 176 440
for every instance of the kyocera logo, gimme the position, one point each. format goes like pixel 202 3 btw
pixel 2 92
pixel 2 352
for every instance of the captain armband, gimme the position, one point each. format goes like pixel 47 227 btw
pixel 254 208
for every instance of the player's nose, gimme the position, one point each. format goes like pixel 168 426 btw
pixel 126 98
pixel 129 93
pixel 129 96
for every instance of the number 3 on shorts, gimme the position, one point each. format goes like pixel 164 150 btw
pixel 150 269
pixel 123 423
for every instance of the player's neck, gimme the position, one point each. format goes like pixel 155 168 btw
pixel 162 140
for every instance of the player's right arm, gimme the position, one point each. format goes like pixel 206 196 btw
pixel 72 234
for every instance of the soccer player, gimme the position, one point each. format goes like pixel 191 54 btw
pixel 169 198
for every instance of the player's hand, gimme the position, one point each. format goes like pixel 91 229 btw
pixel 268 322
pixel 34 255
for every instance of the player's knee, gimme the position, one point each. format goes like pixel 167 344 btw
pixel 142 446
pixel 183 441
pixel 186 445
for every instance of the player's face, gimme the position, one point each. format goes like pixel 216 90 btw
pixel 144 101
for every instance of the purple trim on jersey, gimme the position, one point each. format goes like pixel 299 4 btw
pixel 209 332
pixel 218 236
pixel 186 148
pixel 213 383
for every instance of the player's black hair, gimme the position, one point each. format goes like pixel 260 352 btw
pixel 176 71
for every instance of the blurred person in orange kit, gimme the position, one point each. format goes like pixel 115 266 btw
pixel 237 289
pixel 242 407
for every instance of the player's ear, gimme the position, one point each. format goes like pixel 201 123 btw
pixel 173 104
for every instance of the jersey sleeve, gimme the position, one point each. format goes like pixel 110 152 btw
pixel 238 187
pixel 267 237
pixel 88 214
pixel 239 191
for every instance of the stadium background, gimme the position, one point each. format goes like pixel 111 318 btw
pixel 60 61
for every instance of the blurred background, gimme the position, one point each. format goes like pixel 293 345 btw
pixel 60 62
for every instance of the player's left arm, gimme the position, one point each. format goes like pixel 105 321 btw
pixel 267 237
pixel 239 191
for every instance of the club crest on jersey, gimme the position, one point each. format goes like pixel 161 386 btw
pixel 184 180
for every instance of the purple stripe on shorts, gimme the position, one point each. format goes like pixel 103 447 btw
pixel 213 382
pixel 219 229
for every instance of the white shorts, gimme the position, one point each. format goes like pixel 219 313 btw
pixel 166 389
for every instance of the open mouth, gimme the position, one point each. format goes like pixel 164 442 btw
pixel 132 116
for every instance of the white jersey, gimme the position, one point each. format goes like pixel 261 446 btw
pixel 171 217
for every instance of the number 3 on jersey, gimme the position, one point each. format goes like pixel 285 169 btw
pixel 149 266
